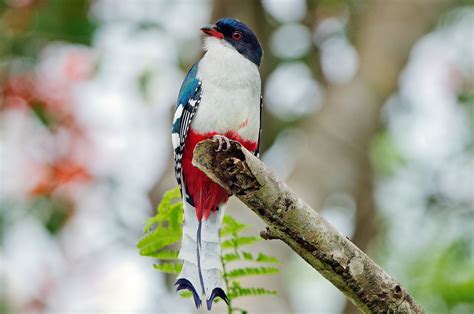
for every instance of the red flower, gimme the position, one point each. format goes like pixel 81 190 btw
pixel 60 174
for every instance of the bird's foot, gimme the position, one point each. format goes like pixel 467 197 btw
pixel 222 139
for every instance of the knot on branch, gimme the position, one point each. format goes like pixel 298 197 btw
pixel 269 234
pixel 229 168
pixel 241 179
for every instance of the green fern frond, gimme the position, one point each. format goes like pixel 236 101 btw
pixel 245 292
pixel 149 223
pixel 251 271
pixel 247 256
pixel 231 226
pixel 153 235
pixel 157 241
pixel 171 196
pixel 237 242
pixel 164 255
pixel 176 216
pixel 186 294
pixel 230 257
pixel 236 291
pixel 262 258
pixel 169 268
pixel 165 229
pixel 169 209
pixel 146 240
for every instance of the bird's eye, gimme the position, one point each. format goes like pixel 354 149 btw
pixel 236 35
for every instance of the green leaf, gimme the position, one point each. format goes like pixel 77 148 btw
pixel 247 256
pixel 230 257
pixel 167 223
pixel 252 271
pixel 262 258
pixel 231 226
pixel 149 223
pixel 186 294
pixel 239 241
pixel 156 241
pixel 165 208
pixel 176 216
pixel 164 255
pixel 170 212
pixel 236 291
pixel 169 268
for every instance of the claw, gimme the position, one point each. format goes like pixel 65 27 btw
pixel 227 143
pixel 221 139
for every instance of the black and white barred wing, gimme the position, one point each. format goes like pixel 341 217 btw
pixel 187 105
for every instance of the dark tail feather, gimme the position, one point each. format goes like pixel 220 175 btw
pixel 186 284
pixel 217 292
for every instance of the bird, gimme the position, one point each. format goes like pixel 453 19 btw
pixel 220 99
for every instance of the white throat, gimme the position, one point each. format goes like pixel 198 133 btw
pixel 231 91
pixel 225 66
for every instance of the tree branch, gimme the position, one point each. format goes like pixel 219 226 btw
pixel 291 220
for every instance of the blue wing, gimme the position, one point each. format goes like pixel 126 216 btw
pixel 188 101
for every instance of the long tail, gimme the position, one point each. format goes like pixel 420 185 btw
pixel 200 252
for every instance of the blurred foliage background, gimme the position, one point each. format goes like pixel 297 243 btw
pixel 369 112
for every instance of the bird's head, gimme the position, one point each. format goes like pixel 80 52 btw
pixel 237 35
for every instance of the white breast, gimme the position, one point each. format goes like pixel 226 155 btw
pixel 230 92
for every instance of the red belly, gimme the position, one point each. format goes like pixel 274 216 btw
pixel 206 194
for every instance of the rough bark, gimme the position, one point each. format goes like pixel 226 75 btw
pixel 291 220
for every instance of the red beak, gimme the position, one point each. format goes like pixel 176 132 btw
pixel 211 30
